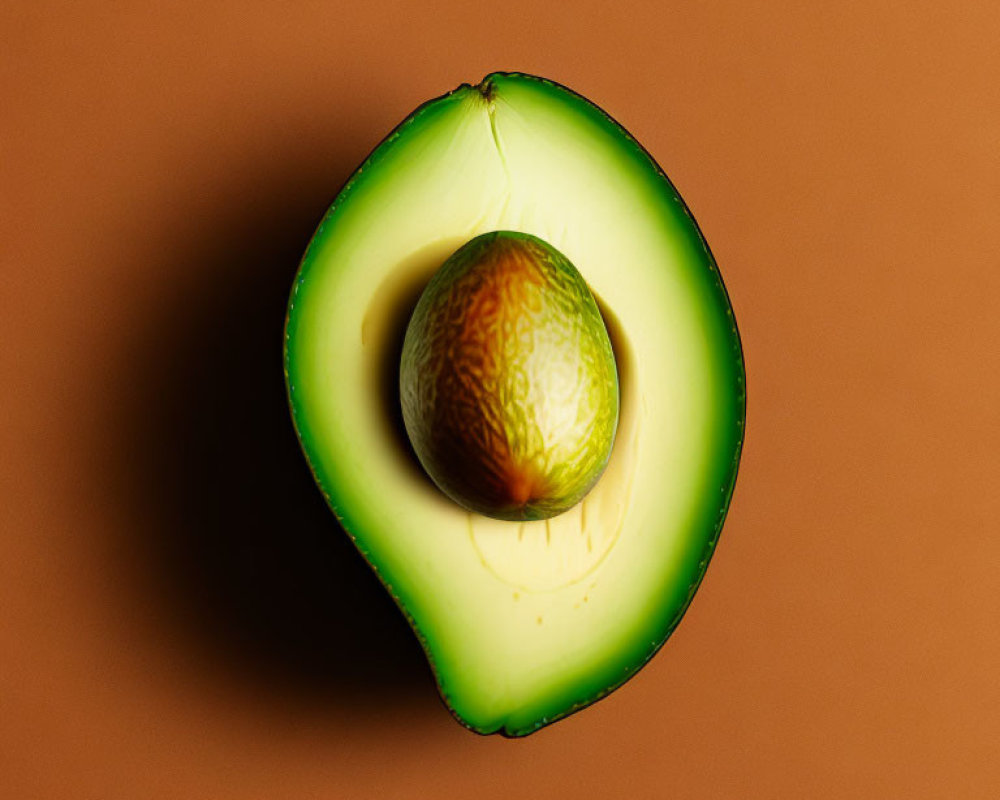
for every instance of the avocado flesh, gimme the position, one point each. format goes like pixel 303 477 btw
pixel 523 622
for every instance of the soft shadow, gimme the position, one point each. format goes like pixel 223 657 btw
pixel 254 567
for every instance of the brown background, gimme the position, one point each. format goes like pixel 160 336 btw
pixel 178 616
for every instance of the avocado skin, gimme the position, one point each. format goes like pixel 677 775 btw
pixel 339 477
pixel 508 383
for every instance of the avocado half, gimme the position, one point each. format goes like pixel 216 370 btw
pixel 523 622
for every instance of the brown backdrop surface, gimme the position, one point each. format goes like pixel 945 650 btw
pixel 179 617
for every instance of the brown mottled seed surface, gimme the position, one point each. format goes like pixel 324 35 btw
pixel 508 381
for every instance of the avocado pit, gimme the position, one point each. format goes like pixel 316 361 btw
pixel 508 382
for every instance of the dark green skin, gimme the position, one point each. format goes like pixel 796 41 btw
pixel 508 382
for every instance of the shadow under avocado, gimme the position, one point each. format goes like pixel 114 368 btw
pixel 254 568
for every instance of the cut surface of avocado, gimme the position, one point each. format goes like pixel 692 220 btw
pixel 523 622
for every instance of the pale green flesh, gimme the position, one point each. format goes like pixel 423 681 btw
pixel 524 624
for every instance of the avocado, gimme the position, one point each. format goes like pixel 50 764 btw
pixel 524 621
pixel 507 380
